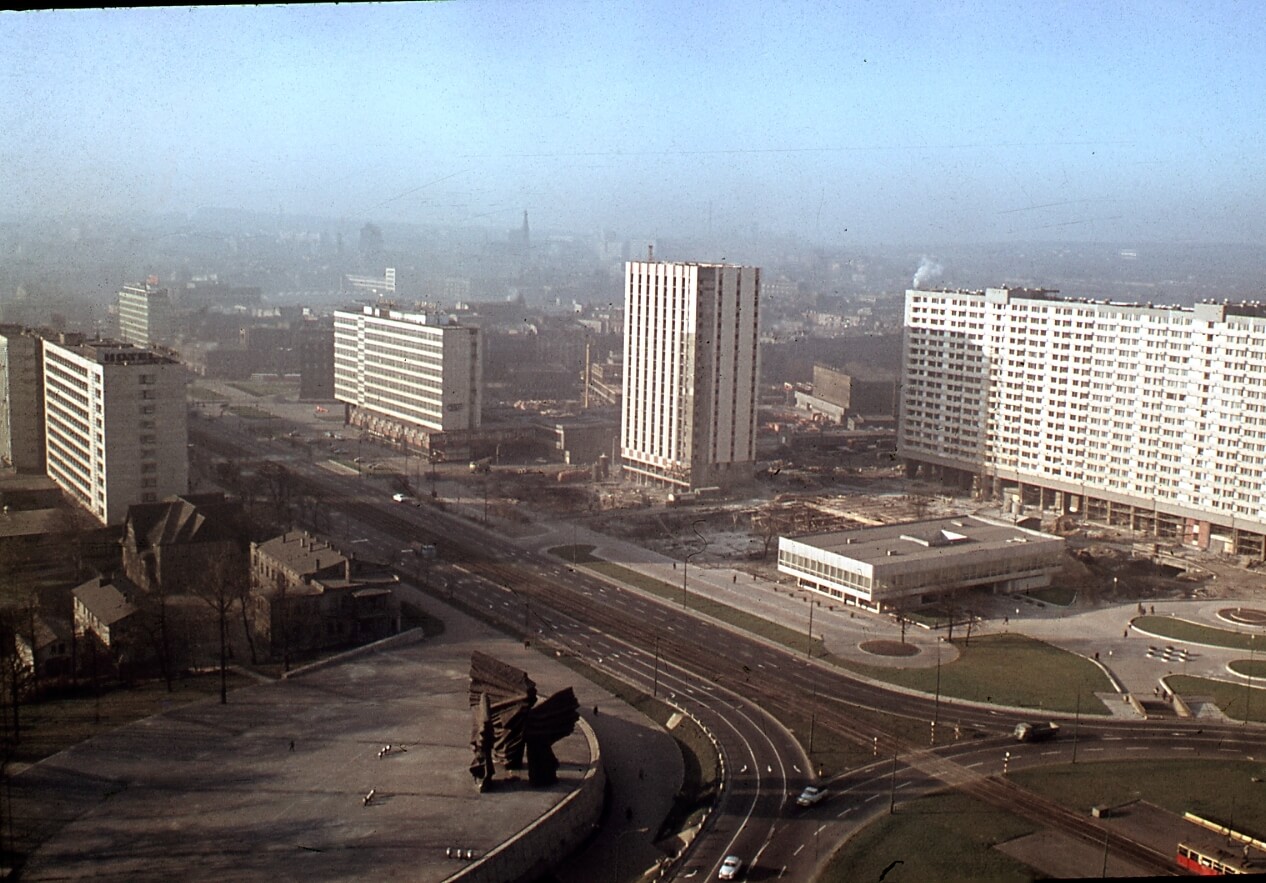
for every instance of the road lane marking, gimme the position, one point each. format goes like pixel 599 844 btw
pixel 972 766
pixel 1137 748
pixel 797 852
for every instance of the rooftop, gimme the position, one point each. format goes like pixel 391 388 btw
pixel 104 600
pixel 926 540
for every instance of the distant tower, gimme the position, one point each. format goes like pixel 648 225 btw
pixel 370 240
pixel 526 238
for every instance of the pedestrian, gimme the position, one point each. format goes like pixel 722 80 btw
pixel 292 744
pixel 595 711
pixel 1126 633
pixel 1153 610
pixel 735 578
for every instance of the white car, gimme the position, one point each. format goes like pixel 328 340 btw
pixel 402 498
pixel 730 868
pixel 811 796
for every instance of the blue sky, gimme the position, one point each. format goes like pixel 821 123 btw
pixel 843 123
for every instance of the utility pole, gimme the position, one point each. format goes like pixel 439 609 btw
pixel 655 686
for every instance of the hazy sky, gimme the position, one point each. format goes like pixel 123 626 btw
pixel 856 122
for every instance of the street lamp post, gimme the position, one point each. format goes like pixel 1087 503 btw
pixel 1076 723
pixel 808 650
pixel 936 703
pixel 1248 682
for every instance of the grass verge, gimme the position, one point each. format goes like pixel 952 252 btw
pixel 1220 790
pixel 1230 697
pixel 1249 668
pixel 1007 669
pixel 1182 630
pixel 943 837
pixel 779 634
pixel 949 837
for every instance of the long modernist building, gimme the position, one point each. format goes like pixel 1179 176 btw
pixel 691 364
pixel 1150 418
pixel 905 565
pixel 407 377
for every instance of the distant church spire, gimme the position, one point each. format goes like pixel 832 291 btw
pixel 526 240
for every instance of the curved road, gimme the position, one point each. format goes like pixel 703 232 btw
pixel 735 685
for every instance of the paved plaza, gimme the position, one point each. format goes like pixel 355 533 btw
pixel 273 785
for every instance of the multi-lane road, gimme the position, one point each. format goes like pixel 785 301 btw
pixel 738 687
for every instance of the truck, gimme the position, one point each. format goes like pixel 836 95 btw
pixel 1036 732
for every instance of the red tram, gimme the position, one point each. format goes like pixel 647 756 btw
pixel 1210 862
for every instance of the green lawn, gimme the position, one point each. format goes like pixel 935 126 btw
pixel 1251 668
pixel 1229 697
pixel 945 837
pixel 1007 670
pixel 1220 790
pixel 949 836
pixel 1191 632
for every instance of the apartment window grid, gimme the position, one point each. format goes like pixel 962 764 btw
pixel 1062 366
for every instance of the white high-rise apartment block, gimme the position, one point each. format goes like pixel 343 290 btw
pixel 115 422
pixel 144 315
pixel 1151 418
pixel 21 400
pixel 405 375
pixel 691 367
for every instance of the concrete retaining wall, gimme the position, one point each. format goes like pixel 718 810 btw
pixel 551 838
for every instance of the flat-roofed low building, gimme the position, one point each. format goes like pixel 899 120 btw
pixel 912 563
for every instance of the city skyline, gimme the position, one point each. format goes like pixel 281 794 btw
pixel 907 123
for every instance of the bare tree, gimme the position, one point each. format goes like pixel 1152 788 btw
pixel 153 618
pixel 13 669
pixel 219 586
pixel 278 485
pixel 770 527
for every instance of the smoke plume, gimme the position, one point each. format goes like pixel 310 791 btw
pixel 928 270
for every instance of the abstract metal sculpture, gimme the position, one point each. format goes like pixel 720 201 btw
pixel 505 723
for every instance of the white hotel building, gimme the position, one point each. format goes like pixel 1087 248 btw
pixel 407 377
pixel 115 424
pixel 1149 418
pixel 691 365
